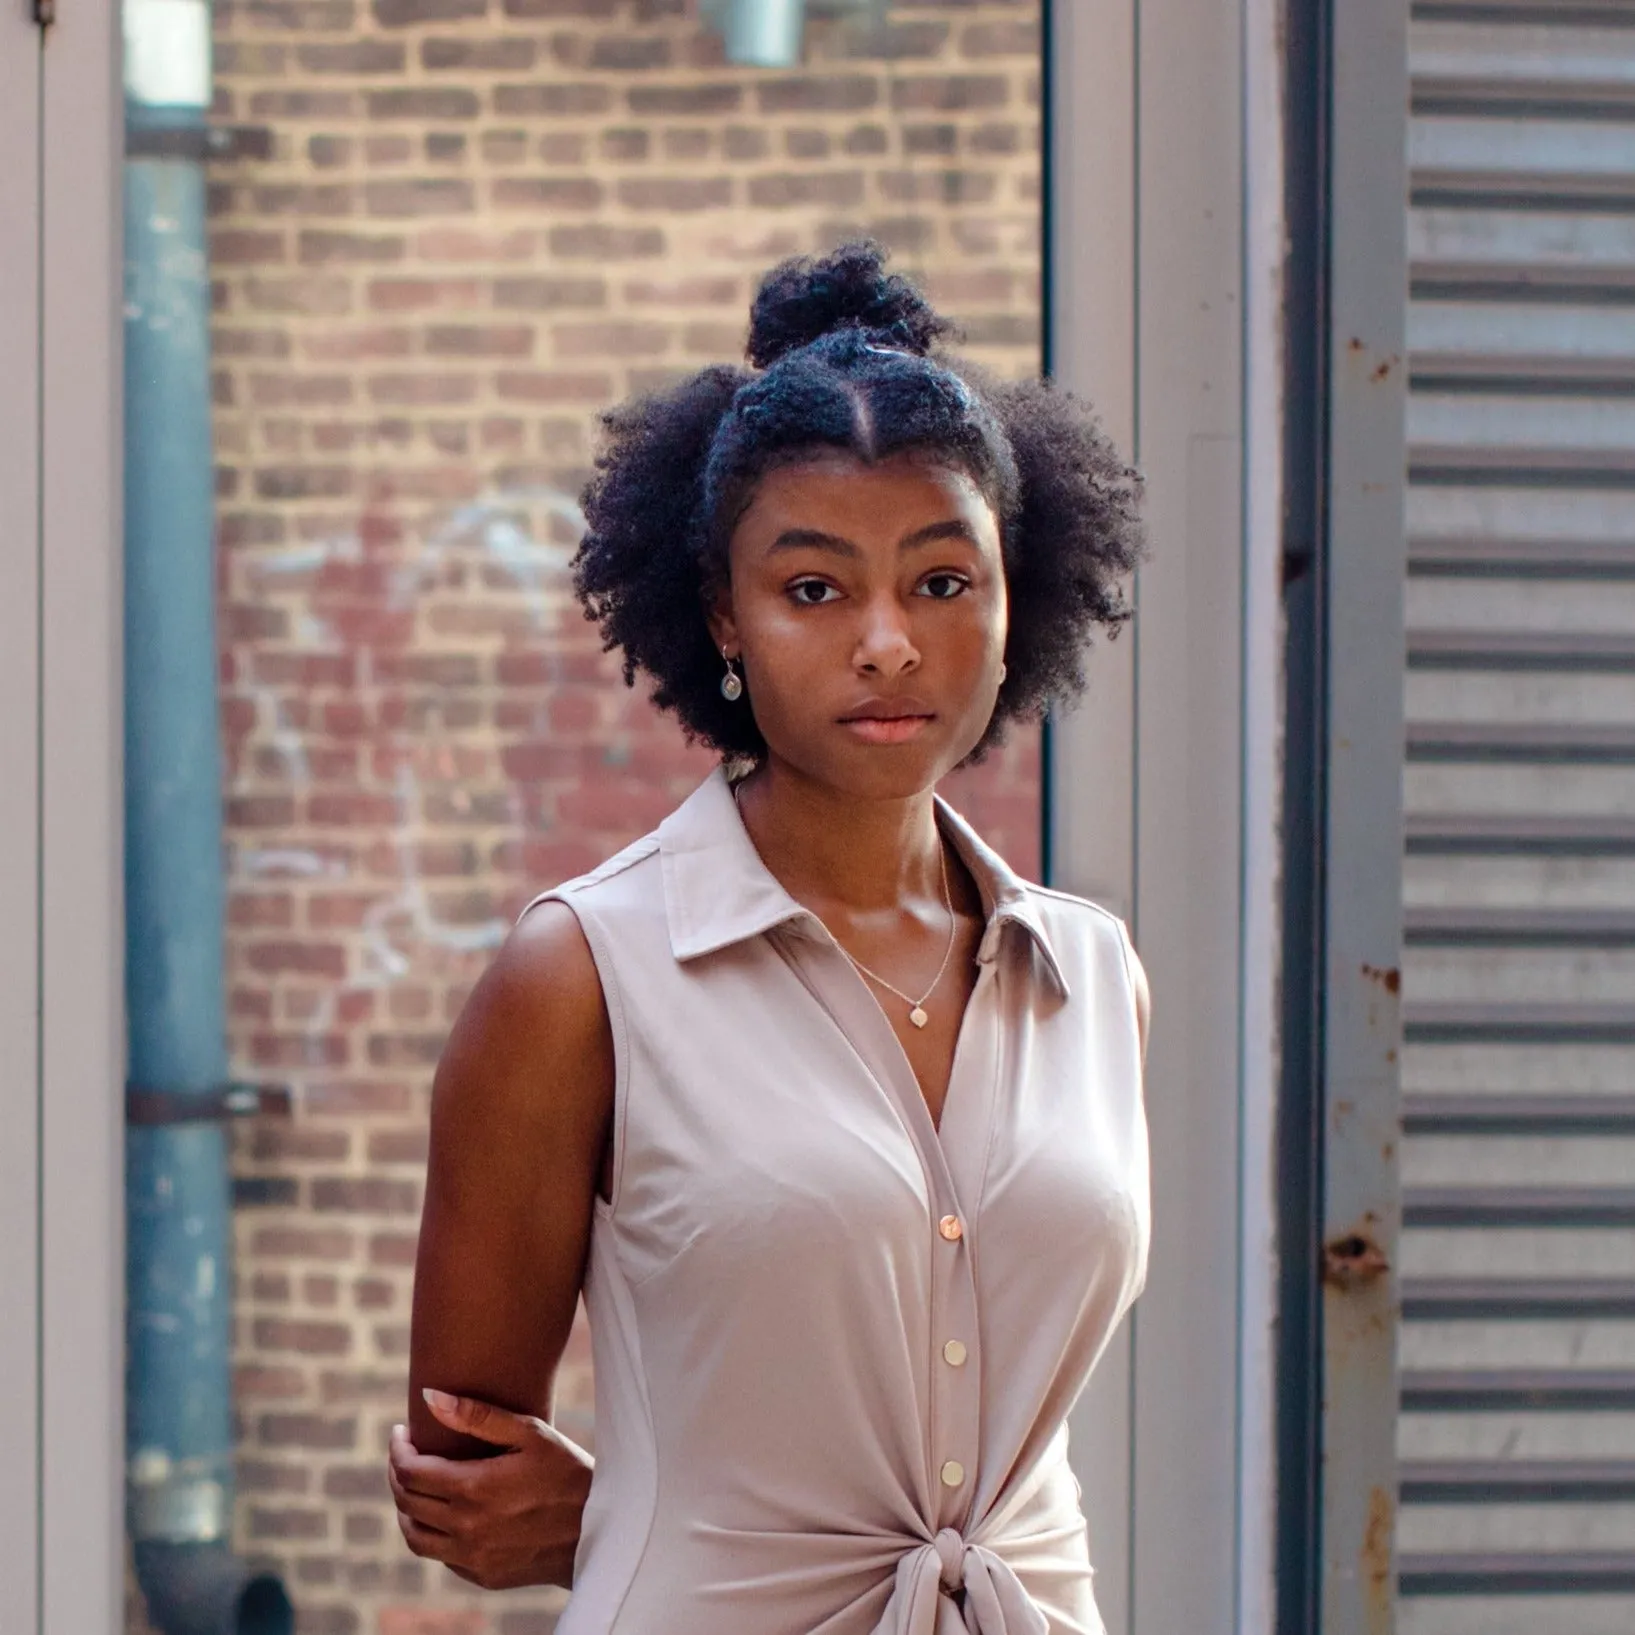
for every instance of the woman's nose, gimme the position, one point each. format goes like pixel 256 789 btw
pixel 884 646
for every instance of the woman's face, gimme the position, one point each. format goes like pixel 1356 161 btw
pixel 867 603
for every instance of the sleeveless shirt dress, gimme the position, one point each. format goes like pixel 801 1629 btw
pixel 835 1347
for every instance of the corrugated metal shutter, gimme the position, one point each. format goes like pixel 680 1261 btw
pixel 1518 1351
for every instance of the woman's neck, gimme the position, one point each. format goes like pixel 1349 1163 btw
pixel 830 847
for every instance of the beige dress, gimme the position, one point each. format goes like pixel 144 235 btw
pixel 834 1349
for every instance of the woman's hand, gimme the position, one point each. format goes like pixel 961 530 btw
pixel 502 1522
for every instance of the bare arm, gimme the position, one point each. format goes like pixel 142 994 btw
pixel 520 1112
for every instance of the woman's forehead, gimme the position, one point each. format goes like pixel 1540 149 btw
pixel 834 489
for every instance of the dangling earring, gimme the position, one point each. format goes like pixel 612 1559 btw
pixel 1004 670
pixel 732 685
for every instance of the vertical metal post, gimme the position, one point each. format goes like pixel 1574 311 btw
pixel 81 1012
pixel 1300 1092
pixel 1362 822
pixel 1090 347
pixel 20 75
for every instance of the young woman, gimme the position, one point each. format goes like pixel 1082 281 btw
pixel 835 1121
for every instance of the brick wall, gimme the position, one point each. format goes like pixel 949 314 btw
pixel 455 230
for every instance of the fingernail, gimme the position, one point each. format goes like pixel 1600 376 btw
pixel 441 1399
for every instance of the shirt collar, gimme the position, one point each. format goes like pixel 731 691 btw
pixel 717 891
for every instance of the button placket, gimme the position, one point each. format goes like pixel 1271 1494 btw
pixel 956 1389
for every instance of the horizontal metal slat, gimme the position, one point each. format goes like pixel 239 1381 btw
pixel 1579 742
pixel 1544 1573
pixel 1523 558
pixel 1513 927
pixel 1610 13
pixel 1519 1206
pixel 1552 650
pixel 1506 1114
pixel 1469 465
pixel 1486 834
pixel 1510 1023
pixel 1494 1390
pixel 1495 96
pixel 1484 1299
pixel 1504 1481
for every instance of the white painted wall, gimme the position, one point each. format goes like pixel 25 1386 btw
pixel 1167 242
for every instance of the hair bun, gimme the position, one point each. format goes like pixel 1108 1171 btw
pixel 803 300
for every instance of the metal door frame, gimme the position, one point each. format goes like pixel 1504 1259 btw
pixel 1164 235
pixel 21 89
pixel 61 988
pixel 1344 545
pixel 1237 1446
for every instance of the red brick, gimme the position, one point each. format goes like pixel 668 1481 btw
pixel 355 1098
pixel 1015 38
pixel 302 1242
pixel 356 1482
pixel 675 193
pixel 812 93
pixel 546 193
pixel 950 91
pixel 783 190
pixel 406 13
pixel 391 1249
pixel 309 1339
pixel 261 1383
pixel 508 55
pixel 648 101
pixel 420 196
pixel 597 241
pixel 352 57
pixel 426 1621
pixel 366 1195
pixel 541 294
pixel 551 101
pixel 317 247
pixel 267 1523
pixel 421 102
pixel 552 386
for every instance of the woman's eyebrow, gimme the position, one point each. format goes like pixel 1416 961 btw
pixel 950 528
pixel 812 539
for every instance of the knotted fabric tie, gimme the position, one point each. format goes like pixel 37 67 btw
pixel 926 1599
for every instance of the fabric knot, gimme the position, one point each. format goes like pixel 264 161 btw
pixel 946 1586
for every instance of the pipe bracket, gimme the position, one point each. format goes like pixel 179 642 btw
pixel 150 1106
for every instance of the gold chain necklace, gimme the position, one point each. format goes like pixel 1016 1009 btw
pixel 916 1007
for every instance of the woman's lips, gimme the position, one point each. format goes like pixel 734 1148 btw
pixel 895 729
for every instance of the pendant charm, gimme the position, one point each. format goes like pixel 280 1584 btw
pixel 918 1017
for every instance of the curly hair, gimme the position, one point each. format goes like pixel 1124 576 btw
pixel 845 356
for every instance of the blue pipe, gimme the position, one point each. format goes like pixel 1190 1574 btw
pixel 759 33
pixel 179 1432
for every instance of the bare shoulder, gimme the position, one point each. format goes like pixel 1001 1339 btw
pixel 531 1047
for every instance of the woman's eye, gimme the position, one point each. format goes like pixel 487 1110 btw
pixel 812 592
pixel 944 587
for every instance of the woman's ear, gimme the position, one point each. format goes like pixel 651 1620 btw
pixel 719 617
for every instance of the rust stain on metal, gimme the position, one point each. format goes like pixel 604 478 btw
pixel 1353 1259
pixel 1375 1562
pixel 1388 977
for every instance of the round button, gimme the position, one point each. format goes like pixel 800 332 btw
pixel 954 1353
pixel 953 1473
pixel 951 1228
